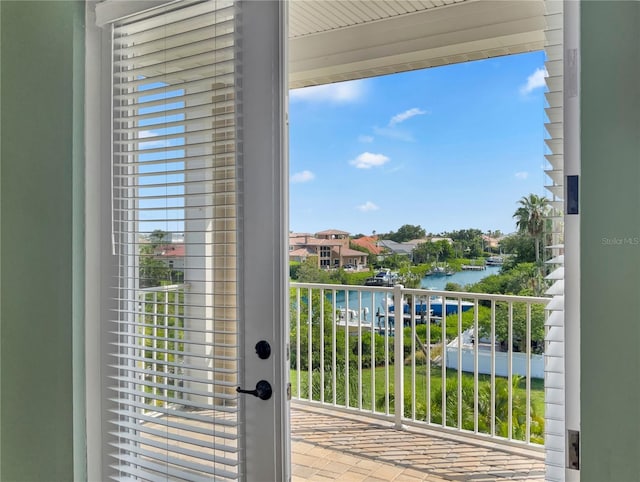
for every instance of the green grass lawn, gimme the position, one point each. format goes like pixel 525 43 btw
pixel 537 384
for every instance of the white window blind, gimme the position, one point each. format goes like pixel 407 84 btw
pixel 555 359
pixel 175 212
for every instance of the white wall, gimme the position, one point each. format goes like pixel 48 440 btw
pixel 519 362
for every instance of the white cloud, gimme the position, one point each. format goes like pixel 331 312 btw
pixel 367 160
pixel 407 114
pixel 521 175
pixel 340 92
pixel 365 139
pixel 534 81
pixel 304 176
pixel 153 142
pixel 368 206
pixel 393 133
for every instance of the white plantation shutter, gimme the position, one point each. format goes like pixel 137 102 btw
pixel 555 353
pixel 175 210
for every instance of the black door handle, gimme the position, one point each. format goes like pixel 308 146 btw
pixel 263 390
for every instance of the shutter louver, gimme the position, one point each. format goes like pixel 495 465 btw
pixel 554 380
pixel 175 358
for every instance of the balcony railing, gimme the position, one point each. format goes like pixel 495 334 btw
pixel 160 334
pixel 463 362
pixel 470 363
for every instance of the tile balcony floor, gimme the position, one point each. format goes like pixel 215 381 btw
pixel 331 445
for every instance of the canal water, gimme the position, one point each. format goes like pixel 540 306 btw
pixel 434 282
pixel 438 282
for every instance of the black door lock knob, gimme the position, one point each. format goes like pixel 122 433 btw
pixel 263 390
pixel 263 349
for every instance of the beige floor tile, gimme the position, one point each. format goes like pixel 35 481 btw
pixel 336 467
pixel 330 445
pixel 352 476
pixel 301 472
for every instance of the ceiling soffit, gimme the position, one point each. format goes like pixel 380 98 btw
pixel 309 17
pixel 456 31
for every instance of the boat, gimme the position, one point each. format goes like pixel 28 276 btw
pixel 382 278
pixel 442 270
pixel 353 315
pixel 435 307
pixel 495 261
pixel 353 319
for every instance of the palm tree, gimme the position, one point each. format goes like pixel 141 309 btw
pixel 530 218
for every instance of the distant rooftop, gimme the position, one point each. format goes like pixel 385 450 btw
pixel 329 232
pixel 370 243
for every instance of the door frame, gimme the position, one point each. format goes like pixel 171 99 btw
pixel 264 430
pixel 264 231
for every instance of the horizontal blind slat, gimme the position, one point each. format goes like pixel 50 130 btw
pixel 192 428
pixel 178 449
pixel 177 66
pixel 203 84
pixel 174 349
pixel 166 399
pixel 197 30
pixel 205 418
pixel 194 111
pixel 168 469
pixel 138 30
pixel 185 366
pixel 192 354
pixel 175 436
pixel 221 69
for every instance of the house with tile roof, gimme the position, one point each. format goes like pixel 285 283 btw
pixel 370 243
pixel 173 255
pixel 330 247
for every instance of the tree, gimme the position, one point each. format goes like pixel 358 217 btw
pixel 405 233
pixel 393 261
pixel 530 218
pixel 424 253
pixel 153 271
pixel 433 251
pixel 308 272
pixel 158 237
pixel 469 241
pixel 521 246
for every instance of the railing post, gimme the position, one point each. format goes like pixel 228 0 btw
pixel 398 355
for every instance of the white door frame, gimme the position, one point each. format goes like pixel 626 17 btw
pixel 265 225
pixel 263 231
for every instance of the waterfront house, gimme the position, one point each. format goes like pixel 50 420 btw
pixel 331 248
pixel 393 247
pixel 370 243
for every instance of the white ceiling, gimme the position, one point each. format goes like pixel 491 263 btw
pixel 309 17
pixel 336 40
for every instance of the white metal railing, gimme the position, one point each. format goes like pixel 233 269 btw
pixel 458 361
pixel 160 334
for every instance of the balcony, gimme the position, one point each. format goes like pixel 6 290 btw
pixel 454 391
pixel 331 445
pixel 390 383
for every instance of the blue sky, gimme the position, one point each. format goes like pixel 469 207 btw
pixel 445 148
